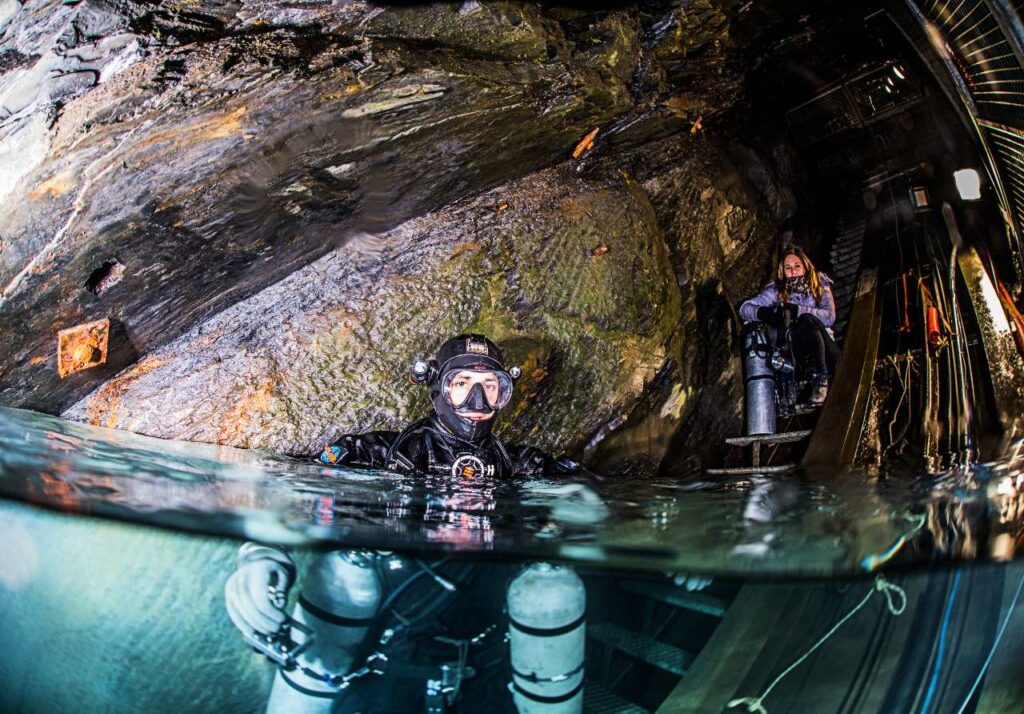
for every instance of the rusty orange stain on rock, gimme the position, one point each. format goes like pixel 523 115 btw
pixel 220 128
pixel 37 360
pixel 82 347
pixel 235 426
pixel 534 373
pixel 465 248
pixel 217 127
pixel 102 409
pixel 54 186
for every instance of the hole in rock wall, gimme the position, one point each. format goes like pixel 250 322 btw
pixel 105 277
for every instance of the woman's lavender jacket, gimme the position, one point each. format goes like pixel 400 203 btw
pixel 824 309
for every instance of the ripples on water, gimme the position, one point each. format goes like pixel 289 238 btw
pixel 812 523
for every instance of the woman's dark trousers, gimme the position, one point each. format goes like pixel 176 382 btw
pixel 816 352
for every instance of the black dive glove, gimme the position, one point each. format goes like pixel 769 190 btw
pixel 775 315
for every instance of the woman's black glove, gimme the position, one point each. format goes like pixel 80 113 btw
pixel 775 315
pixel 770 315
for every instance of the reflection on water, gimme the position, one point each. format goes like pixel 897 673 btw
pixel 827 593
pixel 814 523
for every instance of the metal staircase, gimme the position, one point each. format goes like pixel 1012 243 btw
pixel 845 258
pixel 637 658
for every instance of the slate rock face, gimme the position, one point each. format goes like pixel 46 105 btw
pixel 211 158
pixel 277 204
pixel 327 349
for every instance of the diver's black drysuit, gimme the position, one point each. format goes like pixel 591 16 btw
pixel 427 447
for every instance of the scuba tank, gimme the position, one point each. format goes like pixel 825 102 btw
pixel 759 380
pixel 546 606
pixel 339 600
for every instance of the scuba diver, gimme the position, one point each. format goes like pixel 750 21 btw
pixel 468 386
pixel 799 302
pixel 379 632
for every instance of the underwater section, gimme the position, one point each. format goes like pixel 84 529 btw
pixel 102 615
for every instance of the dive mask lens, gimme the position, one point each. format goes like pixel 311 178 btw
pixel 459 385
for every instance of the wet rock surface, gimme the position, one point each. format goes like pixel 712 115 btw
pixel 276 204
pixel 327 349
pixel 577 279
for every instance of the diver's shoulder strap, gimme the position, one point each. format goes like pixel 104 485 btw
pixel 395 455
pixel 499 447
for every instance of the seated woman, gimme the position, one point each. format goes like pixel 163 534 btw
pixel 804 296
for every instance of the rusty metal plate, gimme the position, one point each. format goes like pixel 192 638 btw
pixel 82 347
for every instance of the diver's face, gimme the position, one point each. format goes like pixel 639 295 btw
pixel 793 267
pixel 463 382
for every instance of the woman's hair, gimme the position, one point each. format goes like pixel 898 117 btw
pixel 813 276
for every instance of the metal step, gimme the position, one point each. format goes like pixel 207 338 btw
pixel 598 700
pixel 659 654
pixel 676 596
pixel 844 271
pixel 751 470
pixel 845 252
pixel 783 438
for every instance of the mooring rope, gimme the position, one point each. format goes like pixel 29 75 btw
pixel 895 601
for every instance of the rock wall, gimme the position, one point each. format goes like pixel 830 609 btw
pixel 594 289
pixel 277 204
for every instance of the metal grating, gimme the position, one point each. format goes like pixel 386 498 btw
pixel 882 92
pixel 1009 151
pixel 825 115
pixel 983 43
pixel 856 102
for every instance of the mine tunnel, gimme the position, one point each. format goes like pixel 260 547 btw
pixel 234 234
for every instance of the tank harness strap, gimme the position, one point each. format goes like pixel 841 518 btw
pixel 547 631
pixel 304 690
pixel 532 676
pixel 331 618
pixel 549 700
pixel 432 460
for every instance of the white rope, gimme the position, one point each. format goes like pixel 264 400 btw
pixel 895 601
pixel 999 637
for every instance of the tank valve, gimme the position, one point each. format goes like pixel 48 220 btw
pixel 779 363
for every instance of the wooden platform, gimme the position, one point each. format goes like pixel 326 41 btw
pixel 750 470
pixel 838 431
pixel 769 439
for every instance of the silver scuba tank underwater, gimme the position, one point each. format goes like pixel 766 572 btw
pixel 546 608
pixel 759 380
pixel 337 603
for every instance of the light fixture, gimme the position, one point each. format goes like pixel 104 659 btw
pixel 897 72
pixel 968 184
pixel 919 197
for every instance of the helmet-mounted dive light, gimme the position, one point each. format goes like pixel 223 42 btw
pixel 422 371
